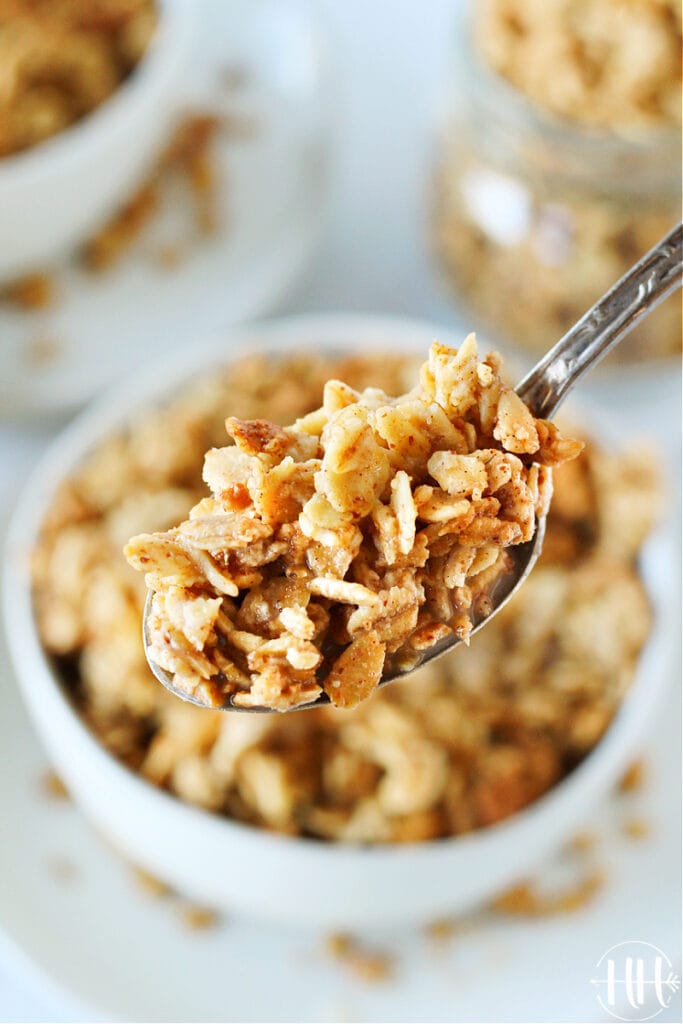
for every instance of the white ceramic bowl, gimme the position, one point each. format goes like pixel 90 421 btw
pixel 241 868
pixel 55 194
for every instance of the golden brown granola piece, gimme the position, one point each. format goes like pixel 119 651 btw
pixel 636 828
pixel 53 787
pixel 34 291
pixel 199 919
pixel 150 883
pixel 356 672
pixel 524 900
pixel 633 778
pixel 107 246
pixel 368 965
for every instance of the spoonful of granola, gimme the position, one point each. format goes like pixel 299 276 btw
pixel 345 550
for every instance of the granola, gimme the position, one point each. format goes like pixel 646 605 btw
pixel 369 965
pixel 561 167
pixel 524 900
pixel 633 778
pixel 363 534
pixel 466 742
pixel 609 64
pixel 636 828
pixel 60 60
pixel 188 161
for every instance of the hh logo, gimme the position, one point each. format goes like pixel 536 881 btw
pixel 635 981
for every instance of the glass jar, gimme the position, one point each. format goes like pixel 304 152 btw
pixel 535 217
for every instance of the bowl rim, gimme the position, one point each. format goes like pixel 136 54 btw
pixel 153 72
pixel 157 384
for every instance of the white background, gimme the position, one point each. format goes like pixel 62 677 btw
pixel 393 57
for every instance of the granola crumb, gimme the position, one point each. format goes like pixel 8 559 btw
pixel 34 291
pixel 190 154
pixel 524 900
pixel 372 966
pixel 199 919
pixel 110 243
pixel 636 828
pixel 53 787
pixel 633 778
pixel 150 883
pixel 339 944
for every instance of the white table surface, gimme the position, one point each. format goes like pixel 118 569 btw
pixel 392 56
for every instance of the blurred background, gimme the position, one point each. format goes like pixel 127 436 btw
pixel 169 172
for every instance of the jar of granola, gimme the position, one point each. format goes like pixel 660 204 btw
pixel 560 164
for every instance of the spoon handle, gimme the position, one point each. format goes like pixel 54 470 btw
pixel 599 330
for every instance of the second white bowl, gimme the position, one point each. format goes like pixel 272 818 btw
pixel 54 195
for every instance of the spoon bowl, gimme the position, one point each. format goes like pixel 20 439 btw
pixel 543 390
pixel 525 558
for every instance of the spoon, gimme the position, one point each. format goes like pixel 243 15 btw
pixel 543 390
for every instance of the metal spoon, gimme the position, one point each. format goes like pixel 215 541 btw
pixel 543 390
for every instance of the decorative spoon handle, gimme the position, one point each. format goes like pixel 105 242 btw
pixel 602 327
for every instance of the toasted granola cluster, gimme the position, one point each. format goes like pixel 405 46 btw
pixel 604 63
pixel 60 59
pixel 465 742
pixel 372 528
